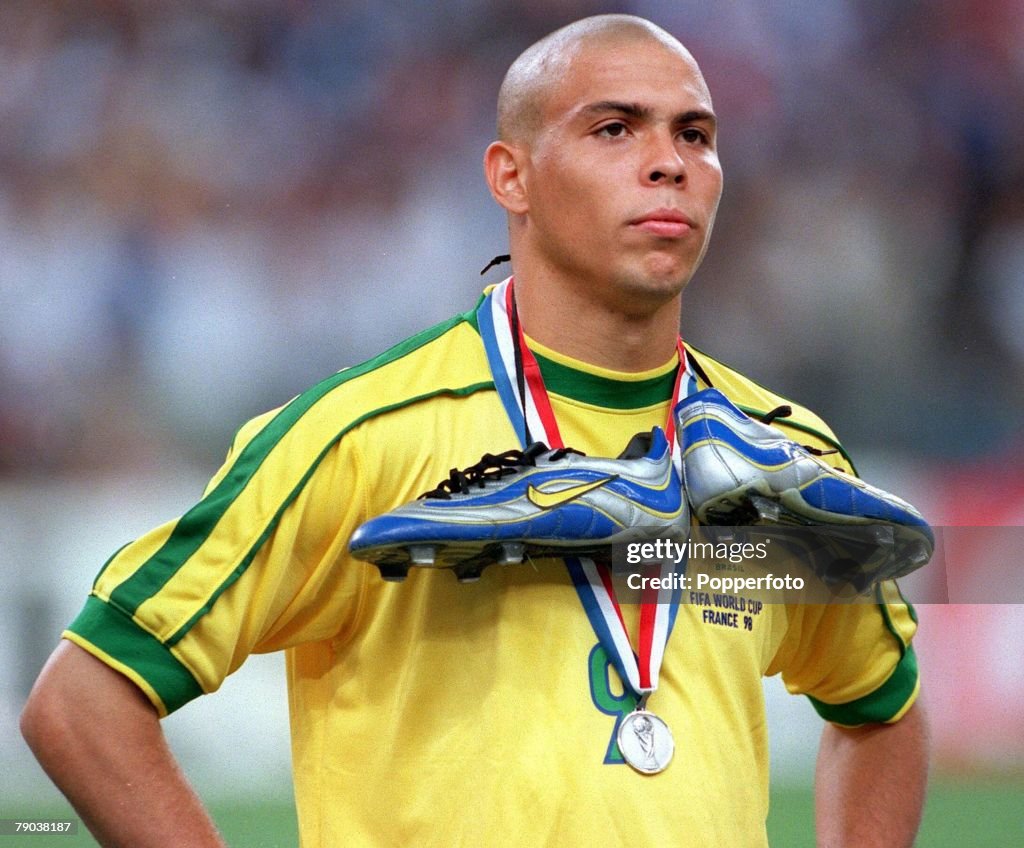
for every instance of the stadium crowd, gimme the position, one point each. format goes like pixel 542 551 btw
pixel 203 205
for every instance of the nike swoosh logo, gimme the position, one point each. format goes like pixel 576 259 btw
pixel 549 500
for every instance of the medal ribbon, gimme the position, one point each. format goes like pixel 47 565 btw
pixel 520 386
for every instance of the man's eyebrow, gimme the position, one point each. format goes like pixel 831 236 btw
pixel 695 115
pixel 635 110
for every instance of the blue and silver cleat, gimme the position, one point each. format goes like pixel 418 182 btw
pixel 738 471
pixel 533 503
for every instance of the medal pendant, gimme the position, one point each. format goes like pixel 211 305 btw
pixel 645 742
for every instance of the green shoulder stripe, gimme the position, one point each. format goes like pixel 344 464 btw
pixel 887 617
pixel 195 526
pixel 755 412
pixel 251 555
pixel 878 706
pixel 796 425
pixel 470 317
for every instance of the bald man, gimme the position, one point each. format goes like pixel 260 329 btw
pixel 496 713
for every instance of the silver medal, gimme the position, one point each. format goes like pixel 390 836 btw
pixel 645 742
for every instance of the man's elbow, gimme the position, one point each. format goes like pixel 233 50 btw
pixel 77 698
pixel 44 719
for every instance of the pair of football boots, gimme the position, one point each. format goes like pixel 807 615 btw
pixel 736 471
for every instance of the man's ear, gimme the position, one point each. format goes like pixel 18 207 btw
pixel 504 168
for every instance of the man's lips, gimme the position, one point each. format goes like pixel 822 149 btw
pixel 666 223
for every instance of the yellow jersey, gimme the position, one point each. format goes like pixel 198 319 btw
pixel 437 713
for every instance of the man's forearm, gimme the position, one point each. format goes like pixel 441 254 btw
pixel 870 783
pixel 100 741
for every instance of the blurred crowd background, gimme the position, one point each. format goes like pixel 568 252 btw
pixel 208 205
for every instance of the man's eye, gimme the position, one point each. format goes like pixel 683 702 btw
pixel 615 130
pixel 692 136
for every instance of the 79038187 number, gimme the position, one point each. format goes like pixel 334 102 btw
pixel 14 827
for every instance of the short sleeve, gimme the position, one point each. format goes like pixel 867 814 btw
pixel 854 661
pixel 258 564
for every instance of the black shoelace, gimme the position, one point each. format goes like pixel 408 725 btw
pixel 785 411
pixel 492 467
pixel 497 260
pixel 779 412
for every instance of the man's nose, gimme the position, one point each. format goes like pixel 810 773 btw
pixel 664 163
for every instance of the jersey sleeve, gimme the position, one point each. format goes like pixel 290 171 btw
pixel 854 661
pixel 258 564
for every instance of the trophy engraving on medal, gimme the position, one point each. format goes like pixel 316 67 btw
pixel 645 742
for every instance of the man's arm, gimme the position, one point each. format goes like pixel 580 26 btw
pixel 99 739
pixel 870 783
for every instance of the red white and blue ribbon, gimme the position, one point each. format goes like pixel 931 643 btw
pixel 529 409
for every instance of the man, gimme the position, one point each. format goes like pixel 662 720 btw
pixel 438 713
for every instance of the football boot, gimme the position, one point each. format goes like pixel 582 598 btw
pixel 738 471
pixel 536 502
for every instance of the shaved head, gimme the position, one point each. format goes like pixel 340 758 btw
pixel 607 165
pixel 531 78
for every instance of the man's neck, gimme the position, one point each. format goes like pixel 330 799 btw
pixel 592 332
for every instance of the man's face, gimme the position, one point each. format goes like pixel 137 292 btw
pixel 623 179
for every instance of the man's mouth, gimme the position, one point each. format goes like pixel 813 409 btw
pixel 665 223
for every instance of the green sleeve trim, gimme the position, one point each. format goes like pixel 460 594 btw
pixel 886 702
pixel 116 635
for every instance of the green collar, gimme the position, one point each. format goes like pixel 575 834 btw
pixel 595 389
pixel 602 391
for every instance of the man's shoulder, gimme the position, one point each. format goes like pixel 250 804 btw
pixel 447 354
pixel 756 400
pixel 447 358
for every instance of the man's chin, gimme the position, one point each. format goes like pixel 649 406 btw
pixel 644 295
pixel 659 278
